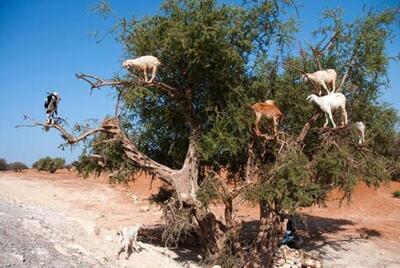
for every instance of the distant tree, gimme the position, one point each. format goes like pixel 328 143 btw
pixel 3 164
pixel 49 164
pixel 17 166
pixel 194 122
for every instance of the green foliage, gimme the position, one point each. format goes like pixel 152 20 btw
pixel 396 194
pixel 17 166
pixel 209 191
pixel 101 156
pixel 3 164
pixel 288 183
pixel 204 47
pixel 49 164
pixel 229 56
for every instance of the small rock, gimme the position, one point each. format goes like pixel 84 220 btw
pixel 290 262
pixel 18 257
pixel 108 238
pixel 280 262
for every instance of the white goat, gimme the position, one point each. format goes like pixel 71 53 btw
pixel 360 126
pixel 51 105
pixel 321 78
pixel 128 240
pixel 143 64
pixel 330 103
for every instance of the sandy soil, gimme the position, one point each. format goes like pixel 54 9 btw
pixel 364 233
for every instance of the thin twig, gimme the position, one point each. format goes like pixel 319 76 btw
pixel 345 76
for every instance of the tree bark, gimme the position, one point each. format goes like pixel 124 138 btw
pixel 211 231
pixel 269 234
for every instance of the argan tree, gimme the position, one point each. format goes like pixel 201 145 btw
pixel 192 127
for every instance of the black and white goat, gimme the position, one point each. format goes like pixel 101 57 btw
pixel 51 105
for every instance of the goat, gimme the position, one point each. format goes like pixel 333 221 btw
pixel 321 78
pixel 144 64
pixel 128 240
pixel 270 110
pixel 51 105
pixel 330 103
pixel 360 126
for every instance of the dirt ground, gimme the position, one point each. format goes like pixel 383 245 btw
pixel 364 233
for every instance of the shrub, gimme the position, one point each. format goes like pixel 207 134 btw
pixel 3 164
pixel 17 166
pixel 49 164
pixel 396 194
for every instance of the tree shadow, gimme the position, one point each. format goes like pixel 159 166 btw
pixel 319 232
pixel 187 250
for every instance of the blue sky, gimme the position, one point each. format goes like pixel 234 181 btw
pixel 43 43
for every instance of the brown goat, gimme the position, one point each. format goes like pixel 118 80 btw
pixel 270 110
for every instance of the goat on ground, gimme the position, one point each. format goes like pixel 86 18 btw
pixel 328 104
pixel 321 78
pixel 360 126
pixel 51 105
pixel 128 240
pixel 270 110
pixel 143 64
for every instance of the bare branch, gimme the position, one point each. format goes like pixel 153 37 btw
pixel 69 138
pixel 97 82
pixel 117 104
pixel 307 126
pixel 327 45
pixel 349 67
pixel 317 51
pixel 316 88
pixel 316 55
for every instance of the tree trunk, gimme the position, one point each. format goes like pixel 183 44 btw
pixel 211 231
pixel 186 179
pixel 269 234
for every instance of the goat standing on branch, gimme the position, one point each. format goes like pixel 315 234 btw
pixel 143 64
pixel 360 126
pixel 270 110
pixel 321 78
pixel 328 104
pixel 51 105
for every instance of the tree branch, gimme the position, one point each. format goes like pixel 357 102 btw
pixel 97 82
pixel 316 55
pixel 346 74
pixel 317 51
pixel 69 138
pixel 305 74
pixel 307 126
